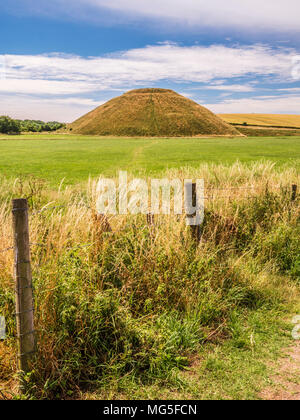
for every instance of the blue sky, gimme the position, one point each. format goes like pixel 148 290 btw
pixel 59 59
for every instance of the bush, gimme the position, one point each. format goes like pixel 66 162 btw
pixel 9 126
pixel 37 126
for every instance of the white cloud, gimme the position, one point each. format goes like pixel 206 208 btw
pixel 229 88
pixel 216 67
pixel 276 15
pixel 59 109
pixel 44 87
pixel 296 89
pixel 153 63
pixel 287 104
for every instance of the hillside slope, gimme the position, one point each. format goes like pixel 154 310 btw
pixel 151 112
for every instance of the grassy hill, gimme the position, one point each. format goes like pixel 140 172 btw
pixel 272 120
pixel 151 113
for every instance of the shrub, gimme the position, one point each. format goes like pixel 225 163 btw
pixel 9 126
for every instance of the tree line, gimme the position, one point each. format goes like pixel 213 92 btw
pixel 12 126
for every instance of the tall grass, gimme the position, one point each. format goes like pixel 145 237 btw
pixel 137 301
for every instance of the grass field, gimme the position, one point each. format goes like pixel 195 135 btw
pixel 144 313
pixel 75 158
pixel 280 120
pixel 254 131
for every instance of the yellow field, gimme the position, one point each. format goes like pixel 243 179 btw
pixel 263 119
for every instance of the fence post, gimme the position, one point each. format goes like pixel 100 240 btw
pixel 150 219
pixel 101 222
pixel 23 287
pixel 294 192
pixel 195 229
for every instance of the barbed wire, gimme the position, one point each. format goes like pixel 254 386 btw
pixel 47 208
pixel 58 207
pixel 212 197
pixel 46 246
pixel 68 248
pixel 230 196
pixel 6 249
pixel 246 188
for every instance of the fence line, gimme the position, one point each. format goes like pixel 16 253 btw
pixel 207 189
pixel 150 217
pixel 275 187
pixel 23 276
pixel 6 249
pixel 46 245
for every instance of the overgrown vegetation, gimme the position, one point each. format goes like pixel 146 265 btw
pixel 37 126
pixel 11 126
pixel 129 309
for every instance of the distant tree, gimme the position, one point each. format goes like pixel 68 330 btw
pixel 46 127
pixel 37 126
pixel 9 126
pixel 32 127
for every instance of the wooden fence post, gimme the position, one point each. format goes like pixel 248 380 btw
pixel 294 192
pixel 150 219
pixel 195 229
pixel 23 290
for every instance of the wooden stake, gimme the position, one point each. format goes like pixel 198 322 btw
pixel 294 192
pixel 195 229
pixel 23 284
pixel 150 219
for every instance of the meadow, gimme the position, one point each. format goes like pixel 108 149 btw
pixel 145 312
pixel 280 120
pixel 74 158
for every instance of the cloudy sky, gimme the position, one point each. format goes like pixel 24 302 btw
pixel 61 58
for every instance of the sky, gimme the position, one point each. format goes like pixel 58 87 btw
pixel 59 59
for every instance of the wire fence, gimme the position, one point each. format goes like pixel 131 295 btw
pixel 23 286
pixel 2 251
pixel 11 248
pixel 267 188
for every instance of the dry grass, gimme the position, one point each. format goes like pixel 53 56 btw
pixel 272 120
pixel 151 113
pixel 251 131
pixel 137 301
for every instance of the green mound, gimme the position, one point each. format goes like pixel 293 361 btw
pixel 151 113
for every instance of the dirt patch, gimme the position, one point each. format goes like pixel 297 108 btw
pixel 286 382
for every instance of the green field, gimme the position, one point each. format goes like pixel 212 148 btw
pixel 75 158
pixel 146 312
